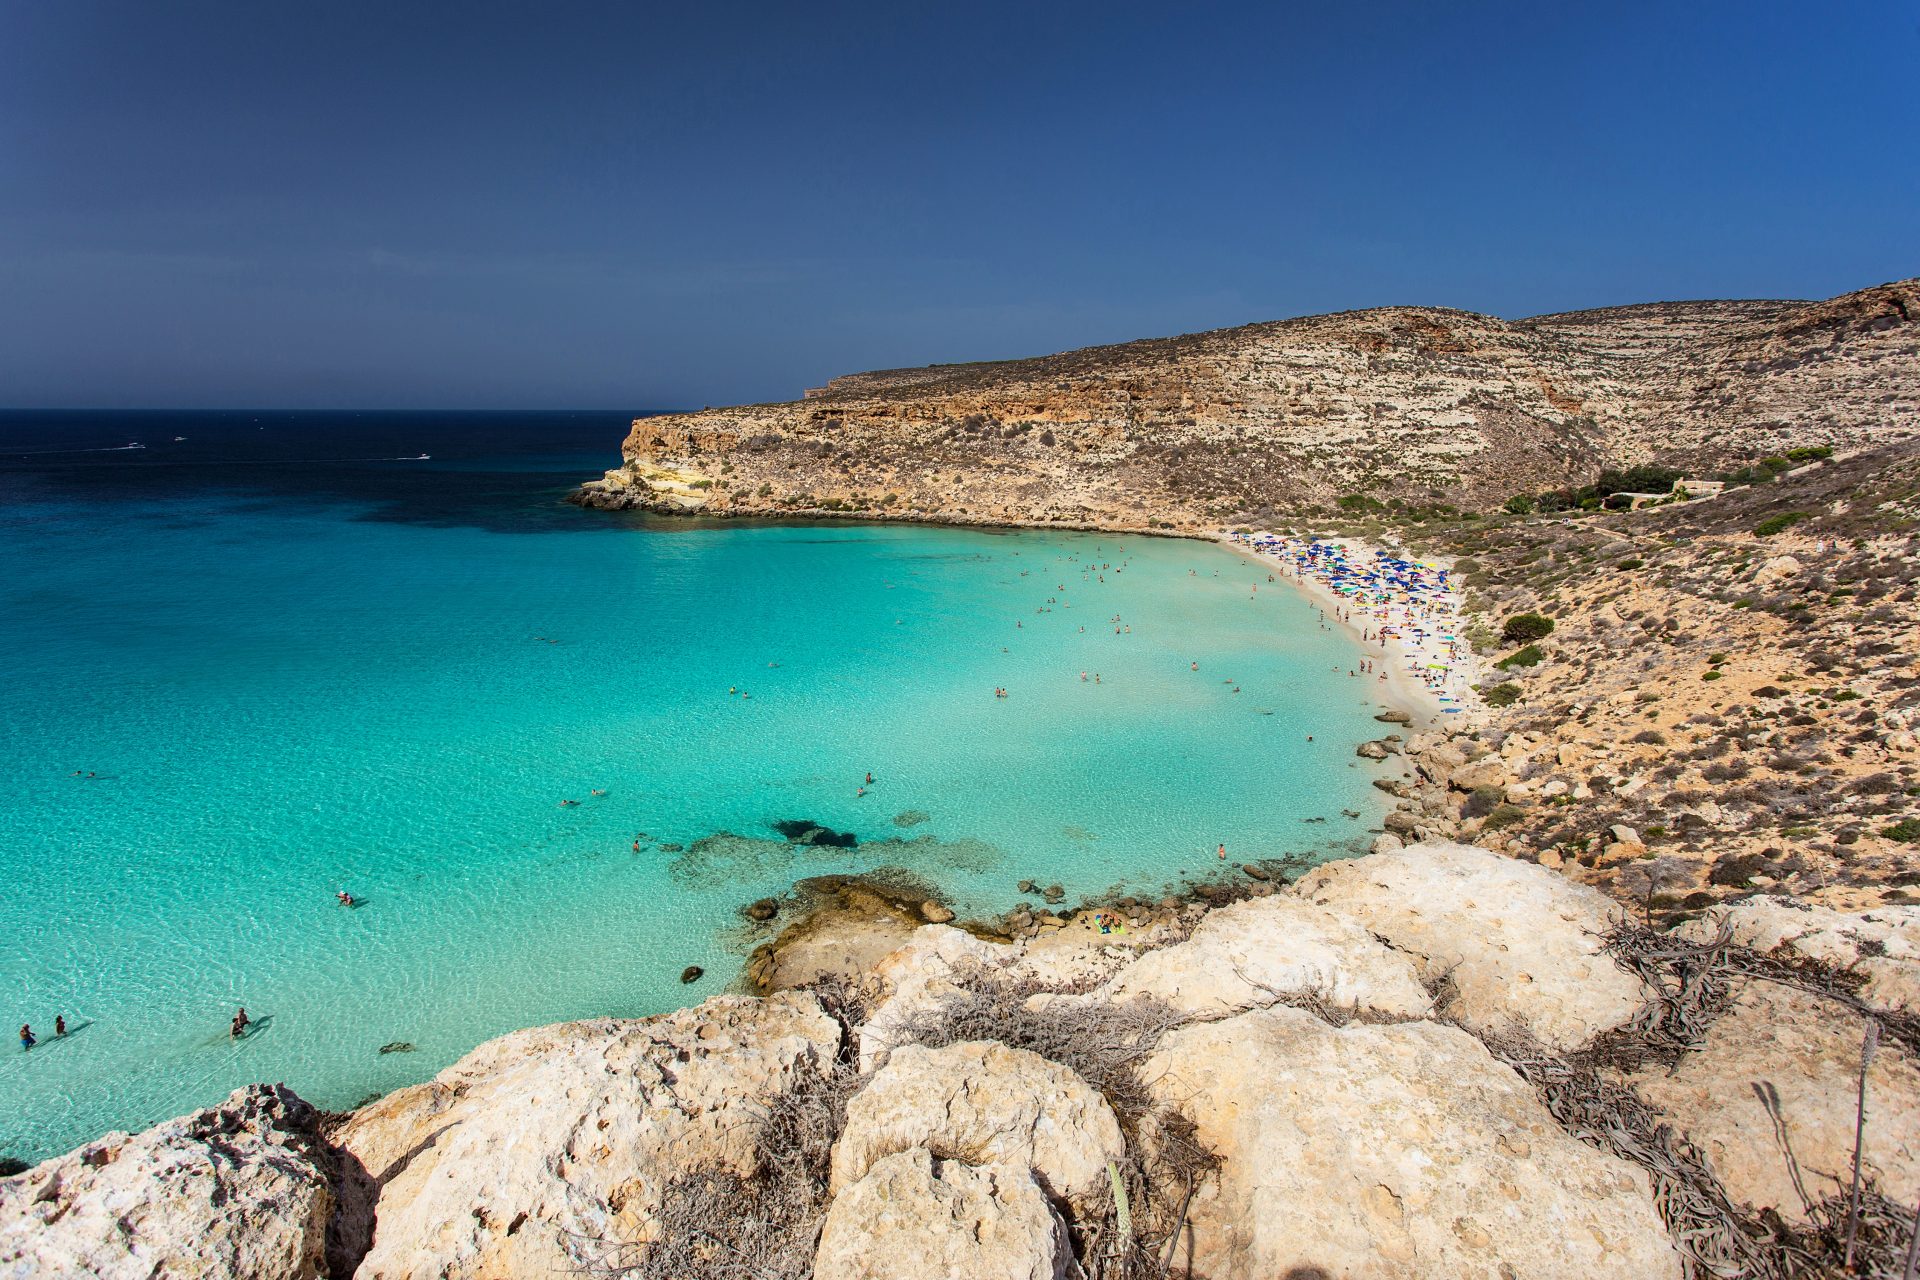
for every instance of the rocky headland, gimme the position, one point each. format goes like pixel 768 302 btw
pixel 1420 405
pixel 1437 1061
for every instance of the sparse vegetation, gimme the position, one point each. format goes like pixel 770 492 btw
pixel 1524 627
pixel 1778 524
pixel 1527 657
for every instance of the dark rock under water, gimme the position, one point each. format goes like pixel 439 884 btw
pixel 806 831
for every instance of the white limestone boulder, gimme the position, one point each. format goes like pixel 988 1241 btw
pixel 917 978
pixel 982 1102
pixel 912 1217
pixel 514 1160
pixel 1521 943
pixel 1394 1152
pixel 241 1191
pixel 1253 953
pixel 1781 1045
pixel 1882 945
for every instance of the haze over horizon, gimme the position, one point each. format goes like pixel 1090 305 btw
pixel 213 205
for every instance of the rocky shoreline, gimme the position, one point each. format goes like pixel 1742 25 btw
pixel 1436 1061
pixel 1648 1022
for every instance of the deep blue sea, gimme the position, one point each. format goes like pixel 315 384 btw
pixel 267 656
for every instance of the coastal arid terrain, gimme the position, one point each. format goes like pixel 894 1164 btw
pixel 1629 985
pixel 1419 405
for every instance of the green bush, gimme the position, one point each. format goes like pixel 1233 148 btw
pixel 1527 657
pixel 1520 504
pixel 1522 627
pixel 1714 675
pixel 1778 524
pixel 1501 695
pixel 1810 453
pixel 1906 831
pixel 1504 816
pixel 1359 503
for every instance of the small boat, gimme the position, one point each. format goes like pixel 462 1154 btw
pixel 178 439
pixel 422 458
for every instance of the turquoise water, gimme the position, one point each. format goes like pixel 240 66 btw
pixel 284 691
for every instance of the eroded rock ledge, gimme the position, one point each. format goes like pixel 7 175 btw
pixel 1379 1071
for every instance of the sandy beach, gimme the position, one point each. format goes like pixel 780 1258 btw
pixel 1429 676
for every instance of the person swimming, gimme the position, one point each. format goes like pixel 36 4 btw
pixel 240 1023
pixel 59 1025
pixel 346 899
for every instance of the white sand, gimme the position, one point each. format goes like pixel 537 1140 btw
pixel 1426 675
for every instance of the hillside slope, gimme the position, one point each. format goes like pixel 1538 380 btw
pixel 1424 404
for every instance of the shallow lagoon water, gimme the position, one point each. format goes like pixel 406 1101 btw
pixel 289 678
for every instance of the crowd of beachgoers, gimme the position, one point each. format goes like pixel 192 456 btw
pixel 1407 609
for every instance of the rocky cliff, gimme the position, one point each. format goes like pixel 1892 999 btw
pixel 1432 1062
pixel 1423 404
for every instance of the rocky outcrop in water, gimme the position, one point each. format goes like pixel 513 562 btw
pixel 1420 403
pixel 1346 1076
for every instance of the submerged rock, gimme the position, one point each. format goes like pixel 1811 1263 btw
pixel 762 910
pixel 911 817
pixel 691 974
pixel 397 1046
pixel 807 831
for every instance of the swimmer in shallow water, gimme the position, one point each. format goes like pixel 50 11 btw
pixel 345 898
pixel 240 1023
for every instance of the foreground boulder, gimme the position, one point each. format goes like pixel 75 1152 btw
pixel 919 976
pixel 1521 945
pixel 912 1217
pixel 519 1158
pixel 984 1103
pixel 241 1191
pixel 1777 1047
pixel 1252 953
pixel 1394 1152
pixel 1881 946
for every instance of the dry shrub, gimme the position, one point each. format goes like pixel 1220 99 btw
pixel 764 1223
pixel 721 1224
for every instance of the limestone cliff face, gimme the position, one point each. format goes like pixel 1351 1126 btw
pixel 1184 433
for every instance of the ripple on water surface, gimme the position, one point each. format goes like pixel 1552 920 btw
pixel 551 767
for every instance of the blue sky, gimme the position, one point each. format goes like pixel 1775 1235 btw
pixel 634 205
